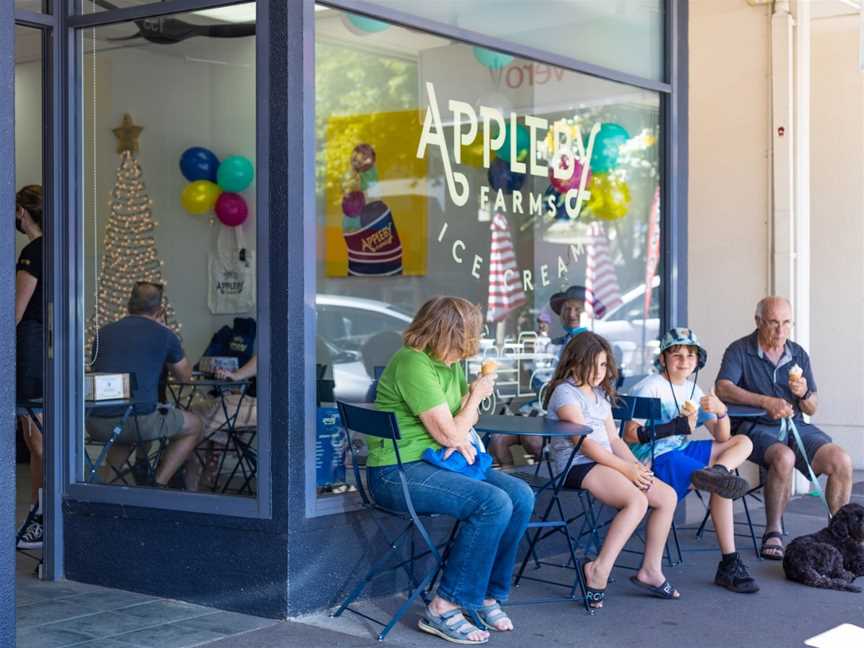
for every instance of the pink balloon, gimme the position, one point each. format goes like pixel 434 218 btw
pixel 566 161
pixel 353 203
pixel 231 209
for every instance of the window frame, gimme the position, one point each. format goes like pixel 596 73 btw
pixel 672 93
pixel 73 257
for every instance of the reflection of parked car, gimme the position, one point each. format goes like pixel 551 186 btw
pixel 354 336
pixel 623 326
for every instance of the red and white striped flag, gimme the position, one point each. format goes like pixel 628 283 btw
pixel 505 286
pixel 652 254
pixel 601 282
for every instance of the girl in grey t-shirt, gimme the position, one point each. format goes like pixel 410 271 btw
pixel 581 391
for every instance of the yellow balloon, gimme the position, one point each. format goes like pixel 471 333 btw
pixel 200 196
pixel 610 197
pixel 472 155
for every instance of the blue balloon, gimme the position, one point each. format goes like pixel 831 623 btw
pixel 501 177
pixel 559 199
pixel 199 163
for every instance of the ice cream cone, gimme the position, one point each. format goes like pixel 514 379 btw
pixel 488 367
pixel 688 407
pixel 795 372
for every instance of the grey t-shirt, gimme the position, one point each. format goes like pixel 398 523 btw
pixel 595 410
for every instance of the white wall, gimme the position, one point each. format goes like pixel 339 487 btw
pixel 729 197
pixel 202 94
pixel 28 129
pixel 729 172
pixel 837 230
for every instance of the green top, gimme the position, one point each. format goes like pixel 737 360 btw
pixel 413 383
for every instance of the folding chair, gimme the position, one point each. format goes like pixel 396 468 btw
pixel 126 467
pixel 649 409
pixel 753 493
pixel 365 420
pixel 787 427
pixel 545 527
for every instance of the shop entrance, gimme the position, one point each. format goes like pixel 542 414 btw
pixel 32 139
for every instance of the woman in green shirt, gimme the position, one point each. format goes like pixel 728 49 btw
pixel 424 385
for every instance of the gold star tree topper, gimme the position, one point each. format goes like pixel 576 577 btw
pixel 127 135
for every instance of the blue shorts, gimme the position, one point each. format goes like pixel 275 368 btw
pixel 676 467
pixel 764 436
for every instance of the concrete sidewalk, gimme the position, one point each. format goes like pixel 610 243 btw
pixel 55 615
pixel 782 614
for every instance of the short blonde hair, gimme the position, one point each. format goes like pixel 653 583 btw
pixel 444 326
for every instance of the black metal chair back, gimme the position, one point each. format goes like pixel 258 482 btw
pixel 383 427
pixel 369 422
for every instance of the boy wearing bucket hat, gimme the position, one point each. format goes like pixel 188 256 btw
pixel 678 461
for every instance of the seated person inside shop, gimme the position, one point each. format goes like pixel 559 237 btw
pixel 568 305
pixel 140 344
pixel 240 405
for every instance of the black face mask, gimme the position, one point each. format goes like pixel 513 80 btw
pixel 18 225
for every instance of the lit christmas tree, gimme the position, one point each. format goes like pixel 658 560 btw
pixel 128 250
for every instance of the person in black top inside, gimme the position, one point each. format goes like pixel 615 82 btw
pixel 29 341
pixel 140 344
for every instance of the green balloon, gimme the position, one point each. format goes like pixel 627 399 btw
pixel 368 178
pixel 523 140
pixel 235 173
pixel 607 146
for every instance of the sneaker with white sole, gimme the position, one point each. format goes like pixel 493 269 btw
pixel 32 534
pixel 717 479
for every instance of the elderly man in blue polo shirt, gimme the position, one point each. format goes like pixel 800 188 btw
pixel 767 370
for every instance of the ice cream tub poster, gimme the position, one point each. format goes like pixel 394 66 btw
pixel 376 196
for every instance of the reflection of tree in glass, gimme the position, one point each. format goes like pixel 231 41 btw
pixel 352 81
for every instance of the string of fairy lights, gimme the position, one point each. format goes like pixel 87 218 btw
pixel 128 251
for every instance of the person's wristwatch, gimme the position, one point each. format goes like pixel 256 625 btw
pixel 806 395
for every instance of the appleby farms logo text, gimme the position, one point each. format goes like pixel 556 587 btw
pixel 568 146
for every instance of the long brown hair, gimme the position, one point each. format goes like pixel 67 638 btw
pixel 444 325
pixel 577 362
pixel 29 198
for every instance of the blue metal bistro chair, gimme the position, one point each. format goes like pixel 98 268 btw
pixel 648 409
pixel 358 419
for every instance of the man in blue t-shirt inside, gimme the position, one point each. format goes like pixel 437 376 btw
pixel 141 345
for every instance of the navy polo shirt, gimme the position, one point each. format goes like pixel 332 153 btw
pixel 745 365
pixel 140 346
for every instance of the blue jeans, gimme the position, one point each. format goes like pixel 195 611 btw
pixel 494 515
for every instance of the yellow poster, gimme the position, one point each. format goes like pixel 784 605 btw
pixel 376 194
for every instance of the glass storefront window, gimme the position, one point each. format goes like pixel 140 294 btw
pixel 169 263
pixel 435 174
pixel 624 36
pixel 36 6
pixel 237 13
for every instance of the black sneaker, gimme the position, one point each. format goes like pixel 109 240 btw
pixel 717 479
pixel 734 576
pixel 26 522
pixel 31 535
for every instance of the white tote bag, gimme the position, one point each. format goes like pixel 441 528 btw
pixel 232 274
